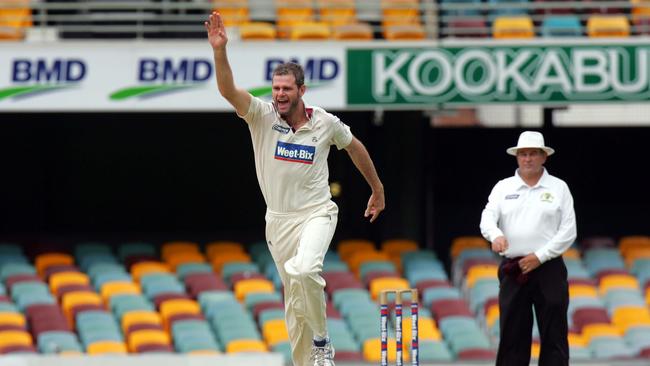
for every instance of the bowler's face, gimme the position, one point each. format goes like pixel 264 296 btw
pixel 531 161
pixel 286 94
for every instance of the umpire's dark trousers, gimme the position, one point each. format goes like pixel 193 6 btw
pixel 546 288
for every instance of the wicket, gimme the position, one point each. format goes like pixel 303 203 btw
pixel 383 300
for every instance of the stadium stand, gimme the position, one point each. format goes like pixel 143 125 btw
pixel 226 297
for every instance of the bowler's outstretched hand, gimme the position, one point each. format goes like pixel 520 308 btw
pixel 375 205
pixel 216 31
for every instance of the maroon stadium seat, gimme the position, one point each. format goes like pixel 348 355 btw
pixel 477 354
pixel 142 326
pixel 589 315
pixel 450 307
pixel 154 347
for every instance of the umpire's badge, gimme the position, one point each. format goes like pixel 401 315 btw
pixel 546 197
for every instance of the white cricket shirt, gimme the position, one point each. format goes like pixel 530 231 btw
pixel 538 219
pixel 292 166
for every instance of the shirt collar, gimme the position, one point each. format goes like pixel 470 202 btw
pixel 542 182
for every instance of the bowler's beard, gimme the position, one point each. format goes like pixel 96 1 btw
pixel 292 107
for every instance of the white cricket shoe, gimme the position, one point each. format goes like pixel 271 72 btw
pixel 323 356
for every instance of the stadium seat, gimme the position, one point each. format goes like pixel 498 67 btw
pixel 462 243
pixel 106 347
pixel 400 12
pixel 346 248
pixel 337 12
pixel 257 31
pixel 608 26
pixel 561 26
pixel 275 331
pixel 43 261
pixel 217 247
pixel 292 12
pixel 146 337
pixel 170 249
pixel 555 7
pixel 513 27
pixel 252 285
pixel 142 268
pixel 15 17
pixel 134 317
pixel 467 28
pixel 234 12
pixel 246 345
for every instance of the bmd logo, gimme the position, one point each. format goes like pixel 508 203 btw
pixel 318 72
pixel 164 76
pixel 34 77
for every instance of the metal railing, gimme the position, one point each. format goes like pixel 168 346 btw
pixel 184 18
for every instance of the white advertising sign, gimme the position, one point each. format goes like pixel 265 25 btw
pixel 156 76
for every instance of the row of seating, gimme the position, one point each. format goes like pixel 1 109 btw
pixel 505 27
pixel 530 7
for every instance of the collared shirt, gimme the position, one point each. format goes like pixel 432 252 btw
pixel 292 166
pixel 538 219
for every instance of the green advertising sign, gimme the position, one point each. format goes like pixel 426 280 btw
pixel 493 74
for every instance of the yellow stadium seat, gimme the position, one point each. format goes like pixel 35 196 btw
pixel 257 31
pixel 10 318
pixel 346 248
pixel 43 261
pixel 172 307
pixel 219 261
pixel 147 336
pixel 291 12
pixel 480 271
pixel 372 350
pixel 252 285
pixel 106 347
pixel 352 32
pixel 309 31
pixel 245 345
pixel 633 241
pixel 110 289
pixel 427 330
pixel 624 317
pixel 582 290
pixel 139 317
pixel 400 12
pixel 462 243
pixel 142 268
pixel 617 281
pixel 492 315
pixel 15 338
pixel 275 331
pixel 15 19
pixel 398 246
pixel 337 12
pixel 404 32
pixel 172 248
pixel 506 27
pixel 387 283
pixel 358 258
pixel 571 253
pixel 219 247
pixel 67 278
pixel 576 340
pixel 633 254
pixel 183 258
pixel 591 331
pixel 72 299
pixel 608 26
pixel 233 12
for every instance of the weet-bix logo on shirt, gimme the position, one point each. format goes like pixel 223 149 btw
pixel 295 153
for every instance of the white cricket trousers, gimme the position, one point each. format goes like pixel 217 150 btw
pixel 298 243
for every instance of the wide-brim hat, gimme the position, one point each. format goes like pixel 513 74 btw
pixel 530 140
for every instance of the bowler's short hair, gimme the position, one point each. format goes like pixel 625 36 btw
pixel 291 68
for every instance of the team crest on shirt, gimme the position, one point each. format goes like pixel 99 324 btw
pixel 295 153
pixel 546 197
